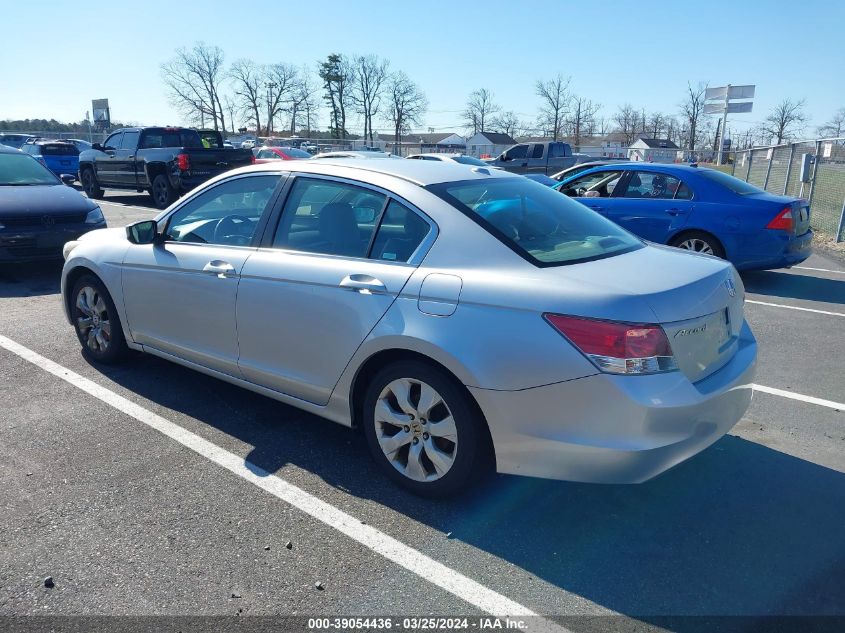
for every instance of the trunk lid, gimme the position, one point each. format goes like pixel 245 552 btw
pixel 697 299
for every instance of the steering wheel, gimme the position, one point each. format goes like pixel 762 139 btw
pixel 228 230
pixel 580 191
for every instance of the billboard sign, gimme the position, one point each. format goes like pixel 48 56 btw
pixel 102 116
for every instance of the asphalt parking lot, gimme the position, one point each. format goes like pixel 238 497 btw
pixel 127 520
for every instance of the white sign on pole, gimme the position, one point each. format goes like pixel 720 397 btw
pixel 713 108
pixel 741 92
pixel 716 93
pixel 742 106
pixel 828 150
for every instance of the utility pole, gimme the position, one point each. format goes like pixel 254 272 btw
pixel 270 87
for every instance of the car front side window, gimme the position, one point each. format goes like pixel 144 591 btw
pixel 226 214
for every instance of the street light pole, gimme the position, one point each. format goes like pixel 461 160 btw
pixel 270 86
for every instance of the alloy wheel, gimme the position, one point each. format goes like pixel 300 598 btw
pixel 93 320
pixel 697 245
pixel 415 429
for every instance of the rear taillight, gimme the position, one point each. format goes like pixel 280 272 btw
pixel 783 221
pixel 618 348
pixel 252 159
pixel 183 162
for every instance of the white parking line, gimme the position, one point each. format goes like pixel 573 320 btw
pixel 839 406
pixel 780 305
pixel 822 270
pixel 416 562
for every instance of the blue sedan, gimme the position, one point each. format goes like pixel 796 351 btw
pixel 698 209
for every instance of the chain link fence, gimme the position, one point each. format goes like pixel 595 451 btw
pixel 814 170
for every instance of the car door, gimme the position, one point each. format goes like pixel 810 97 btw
pixel 339 257
pixel 652 204
pixel 123 160
pixel 595 189
pixel 537 159
pixel 104 161
pixel 179 294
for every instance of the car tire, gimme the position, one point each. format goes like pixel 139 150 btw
pixel 96 321
pixel 699 242
pixel 457 448
pixel 90 185
pixel 162 192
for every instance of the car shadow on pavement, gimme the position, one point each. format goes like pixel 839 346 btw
pixel 739 529
pixel 792 286
pixel 30 279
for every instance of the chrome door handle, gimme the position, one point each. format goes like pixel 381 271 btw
pixel 363 284
pixel 219 268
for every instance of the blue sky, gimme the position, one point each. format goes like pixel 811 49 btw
pixel 56 57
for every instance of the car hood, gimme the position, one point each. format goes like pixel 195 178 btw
pixel 42 199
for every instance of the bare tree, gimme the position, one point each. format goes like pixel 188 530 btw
pixel 407 104
pixel 554 103
pixel 371 73
pixel 786 119
pixel 834 128
pixel 507 122
pixel 231 106
pixel 580 119
pixel 338 76
pixel 193 78
pixel 480 110
pixel 692 109
pixel 627 121
pixel 302 100
pixel 248 81
pixel 656 124
pixel 282 80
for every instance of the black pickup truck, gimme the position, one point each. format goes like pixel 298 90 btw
pixel 164 161
pixel 546 157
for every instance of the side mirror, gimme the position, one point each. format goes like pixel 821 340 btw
pixel 143 232
pixel 97 146
pixel 504 157
pixel 68 179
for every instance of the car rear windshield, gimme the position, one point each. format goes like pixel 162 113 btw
pixel 59 149
pixel 154 139
pixel 470 160
pixel 23 169
pixel 296 153
pixel 540 224
pixel 734 184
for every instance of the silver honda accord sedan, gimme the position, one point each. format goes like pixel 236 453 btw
pixel 462 317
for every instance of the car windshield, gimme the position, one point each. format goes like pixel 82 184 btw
pixel 734 184
pixel 469 160
pixel 22 169
pixel 537 222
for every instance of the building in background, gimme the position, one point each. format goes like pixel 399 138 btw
pixel 653 150
pixel 488 144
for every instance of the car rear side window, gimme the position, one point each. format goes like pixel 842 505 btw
pixel 399 235
pixel 557 150
pixel 537 152
pixel 329 217
pixel 537 222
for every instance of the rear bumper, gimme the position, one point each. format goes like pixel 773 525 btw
pixel 616 429
pixel 32 244
pixel 780 250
